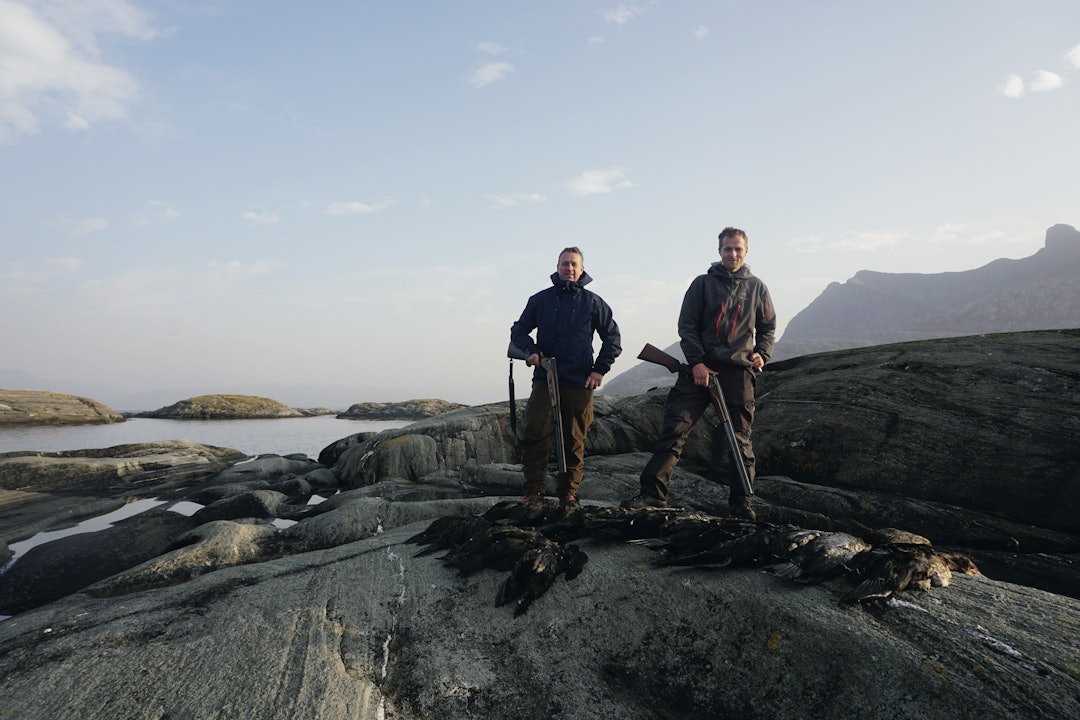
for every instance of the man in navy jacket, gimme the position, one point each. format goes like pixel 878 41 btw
pixel 565 316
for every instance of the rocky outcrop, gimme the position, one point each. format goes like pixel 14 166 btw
pixel 325 610
pixel 225 407
pixel 408 410
pixel 50 491
pixel 366 629
pixel 988 423
pixel 20 408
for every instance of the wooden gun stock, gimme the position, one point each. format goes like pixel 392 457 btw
pixel 556 411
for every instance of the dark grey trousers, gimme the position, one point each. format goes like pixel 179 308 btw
pixel 684 407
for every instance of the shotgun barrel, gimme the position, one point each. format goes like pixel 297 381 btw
pixel 653 354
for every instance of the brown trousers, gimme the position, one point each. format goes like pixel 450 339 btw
pixel 577 416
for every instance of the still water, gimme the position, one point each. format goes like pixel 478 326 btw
pixel 281 436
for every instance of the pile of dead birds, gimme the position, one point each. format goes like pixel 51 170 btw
pixel 534 541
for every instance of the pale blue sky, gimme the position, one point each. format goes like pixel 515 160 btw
pixel 223 194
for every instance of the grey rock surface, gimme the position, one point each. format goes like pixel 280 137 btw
pixel 331 613
pixel 367 630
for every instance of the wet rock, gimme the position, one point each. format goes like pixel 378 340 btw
pixel 64 566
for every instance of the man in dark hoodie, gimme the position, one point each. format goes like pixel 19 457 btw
pixel 726 327
pixel 565 316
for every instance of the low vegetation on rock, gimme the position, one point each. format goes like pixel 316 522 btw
pixel 22 408
pixel 407 410
pixel 224 407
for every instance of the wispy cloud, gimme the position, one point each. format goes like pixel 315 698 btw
pixel 622 15
pixel 855 241
pixel 52 63
pixel 261 218
pixel 508 200
pixel 81 227
pixel 597 182
pixel 700 32
pixel 236 267
pixel 491 48
pixel 1073 57
pixel 489 73
pixel 156 212
pixel 39 272
pixel 356 208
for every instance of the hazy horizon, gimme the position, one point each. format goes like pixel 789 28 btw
pixel 360 197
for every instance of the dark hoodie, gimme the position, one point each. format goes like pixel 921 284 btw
pixel 565 317
pixel 726 317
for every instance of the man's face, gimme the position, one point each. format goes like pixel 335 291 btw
pixel 570 267
pixel 733 253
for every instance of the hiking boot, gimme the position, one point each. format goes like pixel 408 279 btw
pixel 569 502
pixel 532 497
pixel 643 501
pixel 742 507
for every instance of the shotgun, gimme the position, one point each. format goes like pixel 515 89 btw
pixel 653 354
pixel 515 353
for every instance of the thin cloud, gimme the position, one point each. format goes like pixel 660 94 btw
pixel 598 182
pixel 622 15
pixel 261 218
pixel 41 272
pixel 51 60
pixel 509 200
pixel 82 227
pixel 855 241
pixel 489 73
pixel 491 48
pixel 356 208
pixel 238 269
pixel 1045 80
pixel 700 32
pixel 157 212
pixel 1073 57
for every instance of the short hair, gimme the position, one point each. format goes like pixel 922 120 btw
pixel 573 250
pixel 733 232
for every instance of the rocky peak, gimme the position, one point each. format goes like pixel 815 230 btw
pixel 1063 237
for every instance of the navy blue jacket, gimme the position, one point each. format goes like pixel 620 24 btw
pixel 565 316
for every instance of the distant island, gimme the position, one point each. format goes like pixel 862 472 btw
pixel 230 407
pixel 408 410
pixel 28 408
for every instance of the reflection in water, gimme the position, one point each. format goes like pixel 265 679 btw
pixel 86 526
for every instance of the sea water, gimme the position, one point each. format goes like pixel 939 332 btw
pixel 280 436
